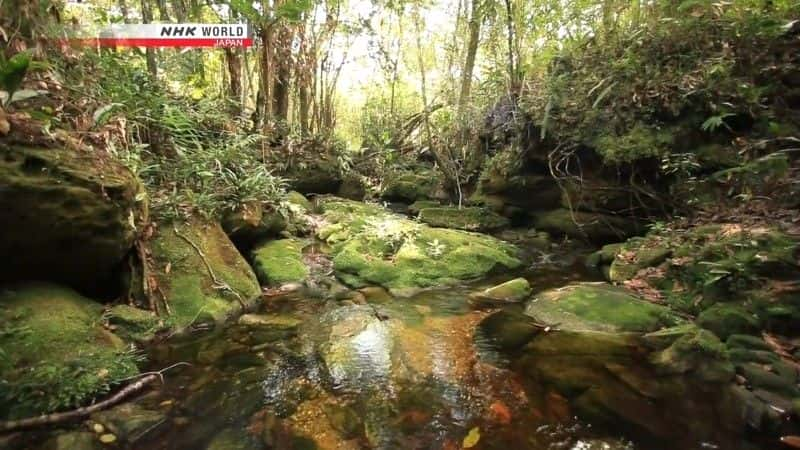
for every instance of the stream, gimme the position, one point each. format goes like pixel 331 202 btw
pixel 376 372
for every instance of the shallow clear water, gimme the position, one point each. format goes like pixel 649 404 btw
pixel 388 373
pixel 395 373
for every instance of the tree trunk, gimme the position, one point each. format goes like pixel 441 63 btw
pixel 283 71
pixel 150 53
pixel 512 71
pixel 234 65
pixel 472 50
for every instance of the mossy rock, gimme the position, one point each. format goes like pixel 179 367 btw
pixel 598 307
pixel 373 246
pixel 299 200
pixel 594 227
pixel 725 320
pixel 623 269
pixel 695 351
pixel 530 192
pixel 193 251
pixel 419 205
pixel 595 196
pixel 507 330
pixel 280 262
pixel 411 186
pixel 353 187
pixel 252 222
pixel 54 352
pixel 320 175
pixel 134 324
pixel 511 291
pixel 68 216
pixel 469 218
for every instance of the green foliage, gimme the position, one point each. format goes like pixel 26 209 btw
pixel 12 71
pixel 190 157
pixel 637 143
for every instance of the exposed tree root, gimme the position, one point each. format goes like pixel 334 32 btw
pixel 75 414
pixel 218 284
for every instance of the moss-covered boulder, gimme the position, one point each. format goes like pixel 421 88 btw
pixel 692 351
pixel 202 275
pixel 279 262
pixel 54 351
pixel 134 324
pixel 594 227
pixel 598 307
pixel 298 200
pixel 68 216
pixel 419 205
pixel 511 291
pixel 252 222
pixel 725 320
pixel 530 192
pixel 468 218
pixel 506 329
pixel 373 246
pixel 630 260
pixel 410 186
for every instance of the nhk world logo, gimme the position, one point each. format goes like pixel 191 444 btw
pixel 172 35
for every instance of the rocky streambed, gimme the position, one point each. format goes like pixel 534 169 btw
pixel 339 324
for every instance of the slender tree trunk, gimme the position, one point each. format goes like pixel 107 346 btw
pixel 234 66
pixel 512 71
pixel 265 88
pixel 123 8
pixel 162 10
pixel 150 53
pixel 472 50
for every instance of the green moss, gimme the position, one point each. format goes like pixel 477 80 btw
pixel 637 143
pixel 411 186
pixel 373 246
pixel 644 256
pixel 133 323
pixel 78 206
pixel 281 261
pixel 598 307
pixel 725 320
pixel 514 290
pixel 466 218
pixel 299 200
pixel 189 287
pixel 419 205
pixel 594 227
pixel 54 352
pixel 698 352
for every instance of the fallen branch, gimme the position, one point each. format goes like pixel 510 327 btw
pixel 55 418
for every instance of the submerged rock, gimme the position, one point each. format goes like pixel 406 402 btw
pixel 468 218
pixel 508 330
pixel 56 353
pixel 512 291
pixel 68 216
pixel 372 246
pixel 598 307
pixel 207 280
pixel 73 440
pixel 129 422
pixel 279 262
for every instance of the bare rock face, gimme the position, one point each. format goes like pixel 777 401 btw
pixel 67 216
